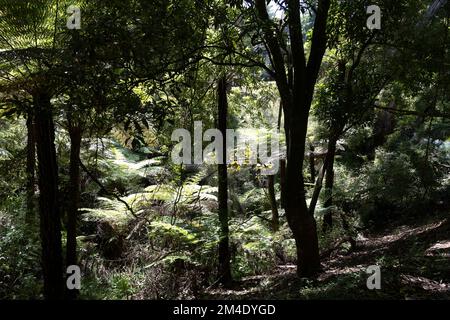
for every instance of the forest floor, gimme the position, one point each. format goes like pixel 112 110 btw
pixel 414 259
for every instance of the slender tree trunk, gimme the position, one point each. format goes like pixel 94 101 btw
pixel 31 168
pixel 312 167
pixel 224 250
pixel 74 196
pixel 329 181
pixel 282 168
pixel 50 219
pixel 317 188
pixel 273 203
pixel 275 215
pixel 283 182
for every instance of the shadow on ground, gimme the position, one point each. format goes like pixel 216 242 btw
pixel 414 261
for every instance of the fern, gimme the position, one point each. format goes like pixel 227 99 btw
pixel 112 211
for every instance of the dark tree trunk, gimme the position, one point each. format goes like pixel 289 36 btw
pixel 224 250
pixel 273 203
pixel 329 181
pixel 31 168
pixel 74 198
pixel 302 224
pixel 50 219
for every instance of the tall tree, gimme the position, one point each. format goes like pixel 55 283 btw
pixel 50 214
pixel 224 247
pixel 296 90
pixel 29 49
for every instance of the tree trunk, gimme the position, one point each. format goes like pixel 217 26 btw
pixel 329 181
pixel 273 203
pixel 312 167
pixel 224 250
pixel 31 168
pixel 283 182
pixel 302 224
pixel 50 219
pixel 317 188
pixel 74 198
pixel 304 230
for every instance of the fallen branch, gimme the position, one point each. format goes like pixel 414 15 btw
pixel 336 246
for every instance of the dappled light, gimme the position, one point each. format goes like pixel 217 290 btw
pixel 224 150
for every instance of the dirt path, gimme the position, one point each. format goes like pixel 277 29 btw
pixel 414 261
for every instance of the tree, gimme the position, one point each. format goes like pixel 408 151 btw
pixel 296 83
pixel 28 42
pixel 50 214
pixel 224 248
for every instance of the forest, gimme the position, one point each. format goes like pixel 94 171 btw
pixel 224 149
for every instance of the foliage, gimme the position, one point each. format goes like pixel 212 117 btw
pixel 19 254
pixel 138 69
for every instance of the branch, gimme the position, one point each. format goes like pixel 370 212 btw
pixel 274 49
pixel 359 57
pixel 298 52
pixel 237 64
pixel 318 44
pixel 435 113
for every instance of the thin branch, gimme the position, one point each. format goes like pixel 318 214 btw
pixel 435 113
